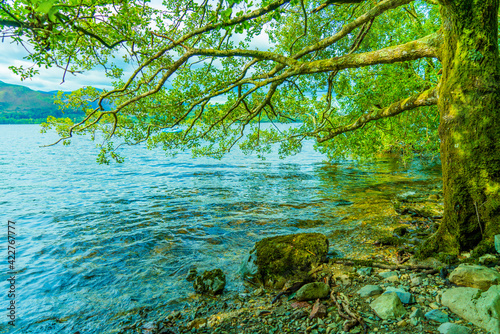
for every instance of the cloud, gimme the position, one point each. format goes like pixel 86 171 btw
pixel 49 79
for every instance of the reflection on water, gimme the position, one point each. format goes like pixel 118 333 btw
pixel 97 242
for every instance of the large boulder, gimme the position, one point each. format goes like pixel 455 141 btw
pixel 474 305
pixel 273 261
pixel 210 282
pixel 475 276
pixel 388 306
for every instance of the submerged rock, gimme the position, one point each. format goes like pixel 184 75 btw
pixel 475 276
pixel 418 204
pixel 210 282
pixel 388 306
pixel 425 209
pixel 275 260
pixel 313 291
pixel 479 307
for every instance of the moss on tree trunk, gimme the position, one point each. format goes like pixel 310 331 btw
pixel 469 105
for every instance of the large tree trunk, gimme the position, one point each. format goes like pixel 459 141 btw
pixel 469 105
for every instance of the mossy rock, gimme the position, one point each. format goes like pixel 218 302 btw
pixel 447 258
pixel 313 291
pixel 390 241
pixel 484 247
pixel 423 209
pixel 418 204
pixel 400 231
pixel 210 282
pixel 276 260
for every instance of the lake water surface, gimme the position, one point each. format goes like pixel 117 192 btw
pixel 95 242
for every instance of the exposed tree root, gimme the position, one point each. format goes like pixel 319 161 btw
pixel 352 319
pixel 422 268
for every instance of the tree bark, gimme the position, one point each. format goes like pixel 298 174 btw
pixel 469 105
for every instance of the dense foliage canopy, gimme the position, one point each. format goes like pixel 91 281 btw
pixel 219 69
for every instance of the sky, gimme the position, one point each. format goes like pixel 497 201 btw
pixel 51 79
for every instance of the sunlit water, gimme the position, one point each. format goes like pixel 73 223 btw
pixel 96 242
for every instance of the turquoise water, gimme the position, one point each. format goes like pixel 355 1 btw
pixel 95 242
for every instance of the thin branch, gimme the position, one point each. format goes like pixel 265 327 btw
pixel 329 2
pixel 66 19
pixel 304 34
pixel 361 36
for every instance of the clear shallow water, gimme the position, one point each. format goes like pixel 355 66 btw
pixel 96 242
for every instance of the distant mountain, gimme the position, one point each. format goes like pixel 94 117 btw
pixel 21 105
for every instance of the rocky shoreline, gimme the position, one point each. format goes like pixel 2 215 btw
pixel 299 286
pixel 254 312
pixel 361 299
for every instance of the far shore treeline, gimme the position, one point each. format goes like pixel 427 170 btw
pixel 21 105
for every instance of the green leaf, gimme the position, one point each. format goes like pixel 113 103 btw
pixel 45 6
pixel 227 13
pixel 52 13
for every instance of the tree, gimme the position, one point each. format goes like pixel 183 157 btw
pixel 334 66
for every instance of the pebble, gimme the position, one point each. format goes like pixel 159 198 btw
pixel 402 323
pixel 416 281
pixel 434 306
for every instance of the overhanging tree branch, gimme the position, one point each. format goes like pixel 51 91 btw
pixel 426 47
pixel 377 10
pixel 426 98
pixel 371 14
pixel 246 80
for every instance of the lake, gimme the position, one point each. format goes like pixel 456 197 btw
pixel 95 243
